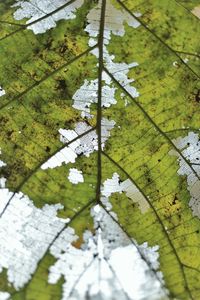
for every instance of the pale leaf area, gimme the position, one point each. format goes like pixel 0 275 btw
pixel 196 11
pixel 75 176
pixel 35 9
pixel 84 145
pixel 190 148
pixel 114 185
pixel 107 265
pixel 4 296
pixel 2 92
pixel 25 234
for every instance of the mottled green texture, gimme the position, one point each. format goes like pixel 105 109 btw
pixel 40 74
pixel 173 23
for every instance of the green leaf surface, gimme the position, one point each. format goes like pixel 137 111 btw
pixel 99 149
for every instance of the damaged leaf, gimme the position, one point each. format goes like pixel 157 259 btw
pixel 99 150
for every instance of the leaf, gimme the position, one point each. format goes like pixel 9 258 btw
pixel 99 161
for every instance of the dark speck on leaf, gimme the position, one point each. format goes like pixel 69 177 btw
pixel 48 149
pixel 63 49
pixel 9 133
pixel 174 201
pixel 62 84
pixel 197 97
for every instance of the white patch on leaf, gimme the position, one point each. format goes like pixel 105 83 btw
pixel 36 9
pixel 175 64
pixel 65 155
pixel 105 288
pixel 113 185
pixel 25 234
pixel 106 265
pixel 75 176
pixel 2 182
pixel 114 21
pixel 106 127
pixel 84 145
pixel 120 72
pixel 88 94
pixel 196 11
pixel 132 272
pixel 114 24
pixel 4 296
pixel 190 148
pixel 186 60
pixel 135 195
pixel 2 164
pixel 2 92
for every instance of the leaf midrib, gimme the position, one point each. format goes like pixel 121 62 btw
pixel 99 135
pixel 99 101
